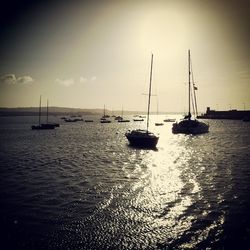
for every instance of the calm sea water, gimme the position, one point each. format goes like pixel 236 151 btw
pixel 82 187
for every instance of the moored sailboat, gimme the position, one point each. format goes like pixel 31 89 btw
pixel 121 119
pixel 104 118
pixel 158 123
pixel 44 125
pixel 144 138
pixel 189 125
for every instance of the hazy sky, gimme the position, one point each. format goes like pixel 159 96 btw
pixel 89 53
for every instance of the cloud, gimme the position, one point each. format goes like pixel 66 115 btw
pixel 25 80
pixel 65 82
pixel 12 79
pixel 83 79
pixel 70 81
pixel 8 79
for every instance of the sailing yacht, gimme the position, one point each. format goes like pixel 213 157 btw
pixel 139 137
pixel 121 119
pixel 104 117
pixel 189 125
pixel 158 123
pixel 44 125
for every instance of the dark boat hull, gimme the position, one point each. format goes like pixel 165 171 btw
pixel 105 121
pixel 123 120
pixel 142 139
pixel 44 126
pixel 169 120
pixel 159 124
pixel 187 126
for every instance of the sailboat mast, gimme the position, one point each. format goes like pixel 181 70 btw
pixel 189 86
pixel 194 88
pixel 47 111
pixel 149 92
pixel 40 103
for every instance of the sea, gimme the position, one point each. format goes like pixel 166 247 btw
pixel 81 186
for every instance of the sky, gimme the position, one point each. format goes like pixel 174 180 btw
pixel 87 54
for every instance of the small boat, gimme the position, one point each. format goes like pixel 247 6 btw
pixel 117 118
pixel 73 119
pixel 188 125
pixel 169 120
pixel 143 138
pixel 104 120
pixel 121 119
pixel 158 123
pixel 104 117
pixel 138 120
pixel 44 125
pixel 124 120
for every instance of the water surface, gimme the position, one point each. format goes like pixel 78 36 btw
pixel 82 186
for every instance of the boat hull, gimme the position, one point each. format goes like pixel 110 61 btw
pixel 159 124
pixel 138 120
pixel 142 139
pixel 169 120
pixel 44 126
pixel 123 120
pixel 105 121
pixel 190 127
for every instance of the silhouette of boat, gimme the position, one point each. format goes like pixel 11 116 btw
pixel 169 120
pixel 188 125
pixel 138 120
pixel 143 138
pixel 73 119
pixel 117 118
pixel 104 120
pixel 104 117
pixel 121 119
pixel 44 125
pixel 158 123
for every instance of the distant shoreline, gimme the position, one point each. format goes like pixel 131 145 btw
pixel 62 111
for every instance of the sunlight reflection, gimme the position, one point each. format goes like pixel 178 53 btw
pixel 161 186
pixel 167 190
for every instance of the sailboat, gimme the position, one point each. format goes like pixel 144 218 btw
pixel 121 119
pixel 158 123
pixel 44 125
pixel 139 137
pixel 189 125
pixel 104 117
